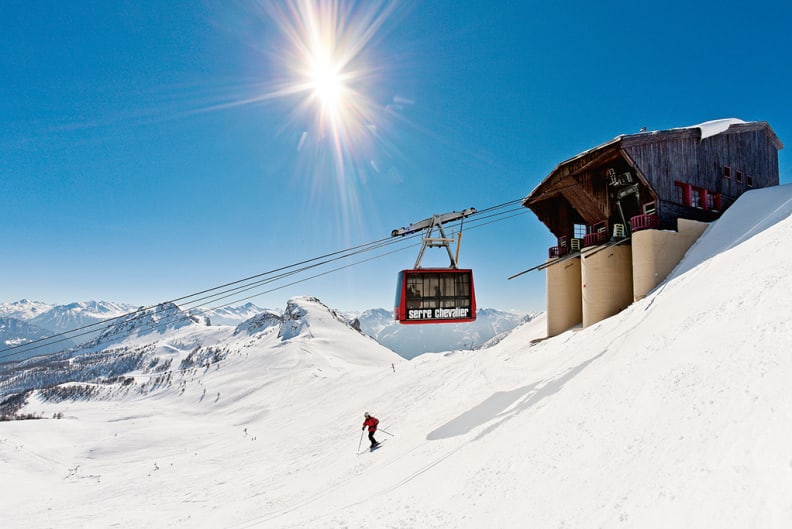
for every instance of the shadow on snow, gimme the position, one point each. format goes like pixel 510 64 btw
pixel 501 405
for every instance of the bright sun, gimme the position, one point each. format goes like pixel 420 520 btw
pixel 325 58
pixel 327 72
pixel 326 81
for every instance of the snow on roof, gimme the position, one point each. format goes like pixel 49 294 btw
pixel 715 127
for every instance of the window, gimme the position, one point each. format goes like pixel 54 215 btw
pixel 695 197
pixel 710 201
pixel 726 171
pixel 749 181
pixel 438 289
pixel 682 193
pixel 580 231
pixel 739 176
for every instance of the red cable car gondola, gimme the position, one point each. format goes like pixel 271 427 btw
pixel 435 295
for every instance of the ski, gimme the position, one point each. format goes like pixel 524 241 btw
pixel 379 445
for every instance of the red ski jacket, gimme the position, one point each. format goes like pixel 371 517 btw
pixel 372 423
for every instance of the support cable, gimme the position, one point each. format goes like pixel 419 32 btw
pixel 246 284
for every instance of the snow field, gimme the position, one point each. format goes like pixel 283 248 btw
pixel 674 413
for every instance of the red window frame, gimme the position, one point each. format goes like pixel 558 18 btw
pixel 697 197
pixel 685 191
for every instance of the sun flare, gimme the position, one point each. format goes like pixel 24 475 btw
pixel 327 85
pixel 327 81
pixel 331 62
pixel 327 58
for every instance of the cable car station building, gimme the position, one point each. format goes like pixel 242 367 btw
pixel 625 212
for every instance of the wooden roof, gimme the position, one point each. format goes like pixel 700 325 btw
pixel 566 195
pixel 559 180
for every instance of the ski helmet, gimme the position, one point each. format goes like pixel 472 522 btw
pixel 366 414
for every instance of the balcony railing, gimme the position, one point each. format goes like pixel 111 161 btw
pixel 644 222
pixel 557 251
pixel 592 239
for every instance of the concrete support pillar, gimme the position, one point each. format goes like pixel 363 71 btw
pixel 564 308
pixel 607 282
pixel 657 252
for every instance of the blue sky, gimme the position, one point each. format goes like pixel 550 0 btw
pixel 154 149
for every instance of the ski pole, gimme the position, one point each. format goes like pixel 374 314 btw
pixel 385 431
pixel 361 440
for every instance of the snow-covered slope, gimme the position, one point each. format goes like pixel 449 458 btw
pixel 15 334
pixel 158 321
pixel 230 315
pixel 674 413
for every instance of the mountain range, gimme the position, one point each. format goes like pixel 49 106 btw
pixel 20 333
pixel 25 321
pixel 412 340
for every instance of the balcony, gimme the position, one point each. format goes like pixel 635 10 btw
pixel 598 237
pixel 557 251
pixel 644 222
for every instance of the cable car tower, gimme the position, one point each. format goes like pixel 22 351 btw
pixel 435 295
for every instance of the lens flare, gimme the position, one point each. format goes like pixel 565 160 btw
pixel 327 82
pixel 326 52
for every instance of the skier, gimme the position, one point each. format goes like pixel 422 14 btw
pixel 372 423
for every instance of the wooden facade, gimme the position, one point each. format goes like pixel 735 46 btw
pixel 669 174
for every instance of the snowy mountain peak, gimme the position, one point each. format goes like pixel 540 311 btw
pixel 95 307
pixel 259 323
pixel 24 309
pixel 329 339
pixel 165 316
pixel 229 315
pixel 302 311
